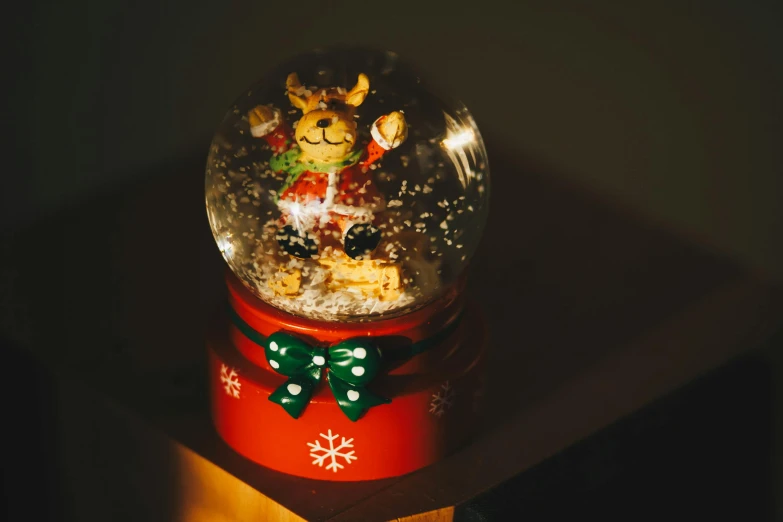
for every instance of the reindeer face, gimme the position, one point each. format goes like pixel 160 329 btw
pixel 326 135
pixel 327 131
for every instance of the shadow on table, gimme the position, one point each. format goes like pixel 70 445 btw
pixel 703 453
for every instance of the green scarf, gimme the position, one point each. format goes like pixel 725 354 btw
pixel 289 162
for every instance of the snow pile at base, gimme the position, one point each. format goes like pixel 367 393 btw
pixel 315 299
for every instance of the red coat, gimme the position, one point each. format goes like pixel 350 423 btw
pixel 318 194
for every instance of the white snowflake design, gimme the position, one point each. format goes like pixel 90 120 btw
pixel 230 381
pixel 443 400
pixel 321 453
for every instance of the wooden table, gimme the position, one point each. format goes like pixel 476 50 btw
pixel 593 313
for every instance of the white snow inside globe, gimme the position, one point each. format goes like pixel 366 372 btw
pixel 340 188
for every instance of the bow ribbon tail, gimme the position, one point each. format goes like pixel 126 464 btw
pixel 353 400
pixel 295 393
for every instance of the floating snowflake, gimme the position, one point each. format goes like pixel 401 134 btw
pixel 443 400
pixel 230 381
pixel 321 453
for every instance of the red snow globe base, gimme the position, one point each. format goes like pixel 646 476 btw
pixel 434 391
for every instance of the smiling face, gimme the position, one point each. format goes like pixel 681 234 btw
pixel 327 130
pixel 326 135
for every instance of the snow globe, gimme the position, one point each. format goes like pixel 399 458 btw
pixel 347 199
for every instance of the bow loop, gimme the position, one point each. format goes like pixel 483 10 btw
pixel 355 361
pixel 289 355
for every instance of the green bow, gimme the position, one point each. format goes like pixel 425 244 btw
pixel 351 365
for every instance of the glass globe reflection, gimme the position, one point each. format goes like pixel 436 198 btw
pixel 340 188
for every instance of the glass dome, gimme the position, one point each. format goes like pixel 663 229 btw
pixel 340 188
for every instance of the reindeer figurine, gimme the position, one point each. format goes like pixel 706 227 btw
pixel 329 187
pixel 329 190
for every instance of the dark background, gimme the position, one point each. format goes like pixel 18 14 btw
pixel 670 108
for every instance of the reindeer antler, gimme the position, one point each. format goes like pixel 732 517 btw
pixel 297 93
pixel 359 92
